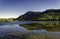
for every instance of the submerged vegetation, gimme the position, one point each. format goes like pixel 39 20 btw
pixel 43 35
pixel 35 34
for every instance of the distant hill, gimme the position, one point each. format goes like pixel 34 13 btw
pixel 30 15
pixel 48 15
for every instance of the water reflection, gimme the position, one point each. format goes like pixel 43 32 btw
pixel 42 34
pixel 12 29
pixel 15 31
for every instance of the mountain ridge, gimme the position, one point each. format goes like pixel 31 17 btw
pixel 47 15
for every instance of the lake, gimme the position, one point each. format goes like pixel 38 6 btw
pixel 14 31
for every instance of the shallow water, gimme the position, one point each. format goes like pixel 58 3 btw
pixel 12 29
pixel 17 30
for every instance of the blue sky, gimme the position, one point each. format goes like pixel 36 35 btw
pixel 15 8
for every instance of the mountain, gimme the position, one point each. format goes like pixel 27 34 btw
pixel 30 15
pixel 50 15
pixel 47 15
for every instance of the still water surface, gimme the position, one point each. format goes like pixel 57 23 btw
pixel 15 29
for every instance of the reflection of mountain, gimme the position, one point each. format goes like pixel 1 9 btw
pixel 51 14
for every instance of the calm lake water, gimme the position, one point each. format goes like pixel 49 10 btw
pixel 14 29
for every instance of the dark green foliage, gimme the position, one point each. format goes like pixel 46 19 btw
pixel 30 15
pixel 48 15
pixel 6 20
